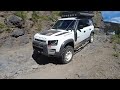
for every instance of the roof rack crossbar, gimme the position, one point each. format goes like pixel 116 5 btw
pixel 79 14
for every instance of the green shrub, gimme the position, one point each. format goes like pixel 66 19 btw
pixel 115 39
pixel 8 29
pixel 114 46
pixel 43 17
pixel 39 26
pixel 21 14
pixel 116 54
pixel 2 25
pixel 54 15
pixel 35 16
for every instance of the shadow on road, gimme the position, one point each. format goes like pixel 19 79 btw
pixel 42 60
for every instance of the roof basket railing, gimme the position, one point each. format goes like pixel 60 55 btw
pixel 78 14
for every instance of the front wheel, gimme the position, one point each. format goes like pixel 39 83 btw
pixel 67 54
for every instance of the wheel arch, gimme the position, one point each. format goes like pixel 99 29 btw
pixel 66 43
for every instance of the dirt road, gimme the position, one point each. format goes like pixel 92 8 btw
pixel 94 61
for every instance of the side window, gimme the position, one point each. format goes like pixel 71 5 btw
pixel 90 22
pixel 83 23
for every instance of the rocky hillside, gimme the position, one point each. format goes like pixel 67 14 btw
pixel 98 19
pixel 18 27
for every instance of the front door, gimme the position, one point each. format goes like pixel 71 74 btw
pixel 81 31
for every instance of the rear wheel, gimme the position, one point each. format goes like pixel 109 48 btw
pixel 67 54
pixel 91 38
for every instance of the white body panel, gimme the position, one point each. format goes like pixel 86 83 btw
pixel 88 30
pixel 53 34
pixel 60 38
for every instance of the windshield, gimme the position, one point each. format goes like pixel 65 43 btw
pixel 64 24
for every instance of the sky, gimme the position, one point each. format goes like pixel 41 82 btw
pixel 112 16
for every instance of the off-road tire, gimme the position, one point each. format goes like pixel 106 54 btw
pixel 91 40
pixel 64 52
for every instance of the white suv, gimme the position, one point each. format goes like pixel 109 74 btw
pixel 66 36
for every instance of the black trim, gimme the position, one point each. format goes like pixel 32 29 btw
pixel 61 33
pixel 78 14
pixel 75 30
pixel 42 47
pixel 65 43
pixel 49 32
pixel 81 43
pixel 57 54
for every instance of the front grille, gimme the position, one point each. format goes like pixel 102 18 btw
pixel 41 47
pixel 37 44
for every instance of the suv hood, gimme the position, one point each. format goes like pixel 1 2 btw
pixel 50 34
pixel 53 32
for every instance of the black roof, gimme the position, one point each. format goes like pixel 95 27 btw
pixel 79 14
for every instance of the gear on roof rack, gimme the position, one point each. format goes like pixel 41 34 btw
pixel 78 14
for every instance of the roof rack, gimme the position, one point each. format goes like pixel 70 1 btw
pixel 78 14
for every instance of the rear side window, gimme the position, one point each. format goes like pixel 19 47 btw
pixel 90 22
pixel 83 23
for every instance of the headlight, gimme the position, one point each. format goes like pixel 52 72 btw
pixel 52 42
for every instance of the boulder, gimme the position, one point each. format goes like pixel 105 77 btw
pixel 14 21
pixel 18 32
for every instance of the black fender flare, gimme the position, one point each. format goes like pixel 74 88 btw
pixel 65 43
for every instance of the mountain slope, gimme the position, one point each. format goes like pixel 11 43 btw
pixel 18 27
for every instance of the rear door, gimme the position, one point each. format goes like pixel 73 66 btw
pixel 88 27
pixel 84 28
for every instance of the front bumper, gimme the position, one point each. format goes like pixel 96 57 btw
pixel 43 49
